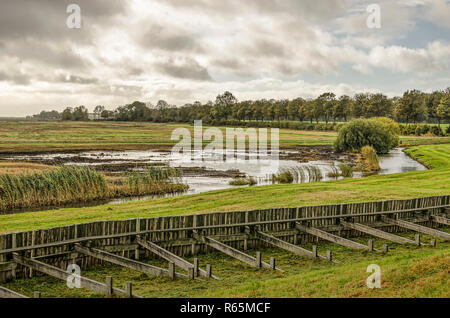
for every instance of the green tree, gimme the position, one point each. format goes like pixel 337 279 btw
pixel 443 110
pixel 342 108
pixel 411 107
pixel 80 113
pixel 67 113
pixel 98 111
pixel 432 102
pixel 223 108
pixel 378 105
pixel 359 104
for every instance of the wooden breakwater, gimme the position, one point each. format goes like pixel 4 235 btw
pixel 176 233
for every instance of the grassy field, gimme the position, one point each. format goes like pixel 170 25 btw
pixel 380 187
pixel 17 136
pixel 63 136
pixel 406 271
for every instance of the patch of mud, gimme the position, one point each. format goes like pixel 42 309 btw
pixel 306 154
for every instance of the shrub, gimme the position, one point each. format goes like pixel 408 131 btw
pixel 242 182
pixel 437 131
pixel 380 133
pixel 285 176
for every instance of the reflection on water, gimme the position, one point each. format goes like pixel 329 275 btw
pixel 395 162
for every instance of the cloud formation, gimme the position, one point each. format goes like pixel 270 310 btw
pixel 190 50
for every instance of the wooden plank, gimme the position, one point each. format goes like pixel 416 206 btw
pixel 377 233
pixel 230 251
pixel 417 228
pixel 210 227
pixel 287 246
pixel 62 275
pixel 441 220
pixel 7 293
pixel 331 237
pixel 125 262
pixel 168 256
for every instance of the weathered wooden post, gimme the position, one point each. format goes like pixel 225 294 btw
pixel 172 270
pixel 209 270
pixel 195 267
pixel 273 265
pixel 129 289
pixel 371 245
pixel 137 250
pixel 418 239
pixel 329 256
pixel 191 273
pixel 433 242
pixel 247 232
pixel 109 286
pixel 258 260
pixel 385 248
pixel 314 251
pixel 37 294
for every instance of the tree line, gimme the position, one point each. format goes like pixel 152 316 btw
pixel 413 107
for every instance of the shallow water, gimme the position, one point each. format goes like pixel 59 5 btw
pixel 395 162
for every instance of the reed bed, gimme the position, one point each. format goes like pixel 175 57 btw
pixel 152 182
pixel 368 160
pixel 71 185
pixel 298 175
pixel 243 181
pixel 54 187
pixel 342 170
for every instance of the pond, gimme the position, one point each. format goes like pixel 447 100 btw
pixel 210 174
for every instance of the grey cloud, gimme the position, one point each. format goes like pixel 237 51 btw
pixel 170 38
pixel 16 78
pixel 309 9
pixel 77 79
pixel 59 55
pixel 184 68
pixel 46 19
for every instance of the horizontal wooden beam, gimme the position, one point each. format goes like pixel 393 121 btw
pixel 441 220
pixel 331 237
pixel 6 293
pixel 287 246
pixel 125 262
pixel 377 233
pixel 417 228
pixel 232 252
pixel 169 256
pixel 63 275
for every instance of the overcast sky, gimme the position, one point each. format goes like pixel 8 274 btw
pixel 187 50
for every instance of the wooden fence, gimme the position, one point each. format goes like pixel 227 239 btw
pixel 175 233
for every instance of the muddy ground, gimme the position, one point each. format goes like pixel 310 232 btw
pixel 101 163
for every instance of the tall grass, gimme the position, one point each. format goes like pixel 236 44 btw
pixel 298 174
pixel 346 170
pixel 369 161
pixel 154 181
pixel 69 185
pixel 53 187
